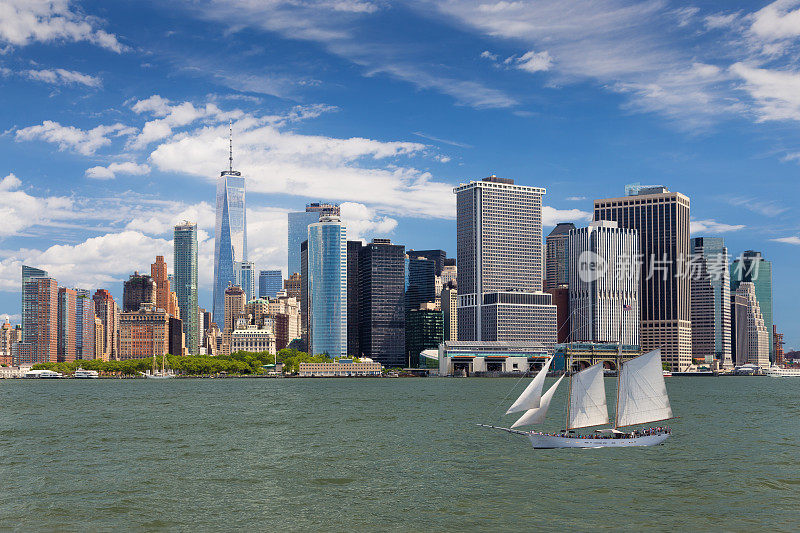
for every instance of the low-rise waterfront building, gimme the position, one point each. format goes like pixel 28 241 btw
pixel 253 338
pixel 341 368
pixel 476 357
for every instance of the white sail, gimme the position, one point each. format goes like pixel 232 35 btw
pixel 642 392
pixel 587 402
pixel 532 395
pixel 537 414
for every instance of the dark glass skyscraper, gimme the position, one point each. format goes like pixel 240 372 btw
pixel 185 283
pixel 381 302
pixel 421 281
pixel 556 256
pixel 353 253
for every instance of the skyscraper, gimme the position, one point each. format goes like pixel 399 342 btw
pixel 108 312
pixel 556 258
pixel 662 219
pixel 381 304
pixel 499 239
pixel 439 258
pixel 40 320
pixel 235 303
pixel 28 273
pixel 450 312
pixel 67 342
pixel 84 327
pixel 230 234
pixel 327 287
pixel 420 281
pixel 270 283
pixel 353 332
pixel 139 289
pixel 298 230
pixel 752 267
pixel 158 271
pixel 711 310
pixel 246 279
pixel 604 283
pixel 185 252
pixel 752 337
pixel 424 331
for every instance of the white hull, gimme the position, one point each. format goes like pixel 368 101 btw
pixel 777 372
pixel 539 440
pixel 159 376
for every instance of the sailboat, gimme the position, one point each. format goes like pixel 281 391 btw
pixel 641 399
pixel 164 373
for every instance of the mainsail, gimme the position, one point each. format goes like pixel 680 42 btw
pixel 537 414
pixel 642 392
pixel 587 402
pixel 532 395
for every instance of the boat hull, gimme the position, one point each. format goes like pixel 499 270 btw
pixel 540 440
pixel 151 376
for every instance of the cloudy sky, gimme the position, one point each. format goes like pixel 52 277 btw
pixel 115 121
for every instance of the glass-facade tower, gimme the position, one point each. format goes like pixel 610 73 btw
pixel 752 267
pixel 270 283
pixel 185 282
pixel 230 236
pixel 327 287
pixel 298 230
pixel 246 279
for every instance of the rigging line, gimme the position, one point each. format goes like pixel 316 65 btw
pixel 491 414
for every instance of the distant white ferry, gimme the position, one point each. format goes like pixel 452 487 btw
pixel 43 374
pixel 781 372
pixel 85 374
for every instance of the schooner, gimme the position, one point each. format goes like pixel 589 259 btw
pixel 641 399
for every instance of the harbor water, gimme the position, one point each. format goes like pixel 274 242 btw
pixel 378 454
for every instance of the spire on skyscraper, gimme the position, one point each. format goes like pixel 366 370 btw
pixel 230 145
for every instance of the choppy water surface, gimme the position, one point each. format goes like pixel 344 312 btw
pixel 368 454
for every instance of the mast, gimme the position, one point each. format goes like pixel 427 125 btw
pixel 619 362
pixel 569 394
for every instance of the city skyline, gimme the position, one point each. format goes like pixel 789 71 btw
pixel 100 167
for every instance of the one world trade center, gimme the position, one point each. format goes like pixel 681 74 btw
pixel 230 243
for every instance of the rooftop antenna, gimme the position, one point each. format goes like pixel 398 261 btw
pixel 230 145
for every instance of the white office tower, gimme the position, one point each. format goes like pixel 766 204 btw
pixel 499 257
pixel 752 337
pixel 604 283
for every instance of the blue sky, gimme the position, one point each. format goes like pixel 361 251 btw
pixel 115 118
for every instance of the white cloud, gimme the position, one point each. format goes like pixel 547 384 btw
pixel 531 61
pixel 777 21
pixel 712 227
pixel 26 21
pixel 93 263
pixel 172 116
pixel 486 54
pixel 62 76
pixel 762 207
pixel 276 160
pixel 575 198
pixel 85 142
pixel 19 210
pixel 552 216
pixel 788 240
pixel 109 172
pixel 364 223
pixel 776 92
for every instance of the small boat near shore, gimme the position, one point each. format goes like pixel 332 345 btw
pixel 163 373
pixel 85 374
pixel 43 374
